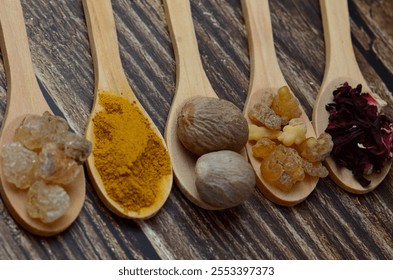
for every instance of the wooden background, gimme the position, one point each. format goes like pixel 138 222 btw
pixel 330 224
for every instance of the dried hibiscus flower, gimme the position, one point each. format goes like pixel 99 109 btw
pixel 361 134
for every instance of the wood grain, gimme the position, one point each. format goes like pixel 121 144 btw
pixel 329 224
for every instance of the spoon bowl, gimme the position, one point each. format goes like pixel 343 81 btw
pixel 23 98
pixel 340 67
pixel 266 79
pixel 110 78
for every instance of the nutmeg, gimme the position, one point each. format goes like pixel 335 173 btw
pixel 207 124
pixel 224 179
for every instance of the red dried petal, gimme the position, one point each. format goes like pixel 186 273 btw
pixel 362 136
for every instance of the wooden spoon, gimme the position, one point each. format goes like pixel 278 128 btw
pixel 267 78
pixel 110 77
pixel 191 81
pixel 24 97
pixel 341 66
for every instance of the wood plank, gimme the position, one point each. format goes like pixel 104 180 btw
pixel 330 224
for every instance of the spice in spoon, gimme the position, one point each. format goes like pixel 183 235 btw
pixel 216 130
pixel 128 154
pixel 362 134
pixel 278 139
pixel 44 159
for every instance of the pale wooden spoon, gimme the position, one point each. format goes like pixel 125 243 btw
pixel 267 78
pixel 110 77
pixel 341 66
pixel 191 81
pixel 24 97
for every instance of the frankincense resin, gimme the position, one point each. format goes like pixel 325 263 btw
pixel 287 155
pixel 44 158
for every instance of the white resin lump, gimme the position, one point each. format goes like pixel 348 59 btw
pixel 35 131
pixel 44 158
pixel 47 202
pixel 19 165
pixel 55 167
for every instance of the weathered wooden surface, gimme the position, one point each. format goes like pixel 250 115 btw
pixel 330 224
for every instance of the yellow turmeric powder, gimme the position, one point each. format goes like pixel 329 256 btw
pixel 128 155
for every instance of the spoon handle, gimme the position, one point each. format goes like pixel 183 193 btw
pixel 17 60
pixel 263 59
pixel 108 69
pixel 191 78
pixel 338 44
